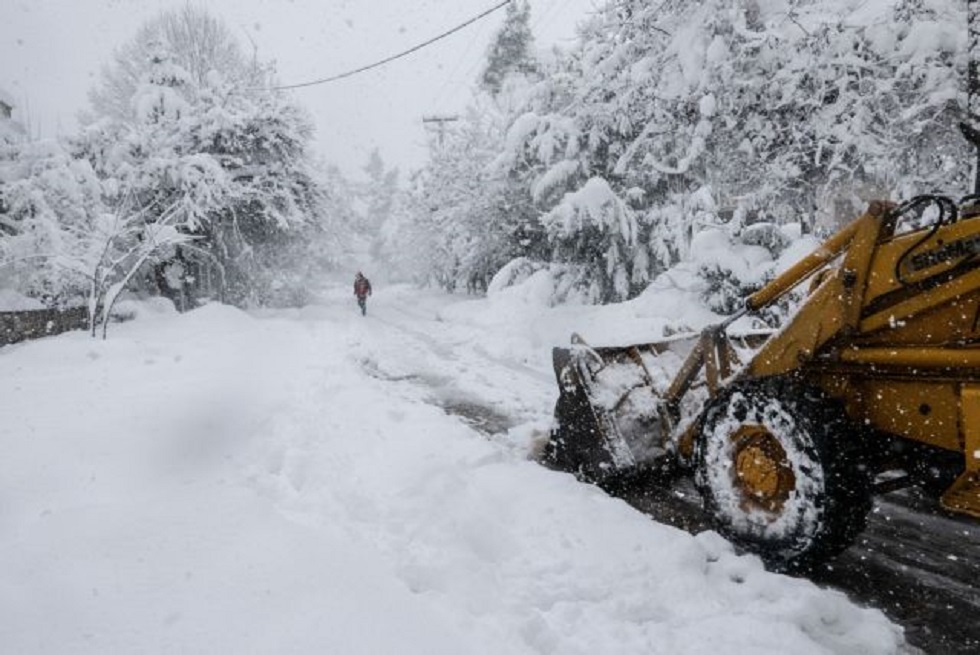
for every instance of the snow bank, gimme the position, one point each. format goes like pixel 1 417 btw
pixel 217 482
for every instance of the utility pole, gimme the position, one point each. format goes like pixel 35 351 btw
pixel 440 123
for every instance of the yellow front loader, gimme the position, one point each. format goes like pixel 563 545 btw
pixel 872 385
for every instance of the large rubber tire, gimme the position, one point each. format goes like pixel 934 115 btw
pixel 779 468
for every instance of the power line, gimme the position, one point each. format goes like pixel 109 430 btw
pixel 386 60
pixel 460 62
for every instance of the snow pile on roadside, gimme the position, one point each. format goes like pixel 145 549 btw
pixel 213 482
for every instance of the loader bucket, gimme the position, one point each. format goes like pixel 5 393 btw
pixel 610 418
pixel 625 410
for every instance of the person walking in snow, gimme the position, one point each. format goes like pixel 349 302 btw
pixel 362 289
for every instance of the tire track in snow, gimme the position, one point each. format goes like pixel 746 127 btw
pixel 491 394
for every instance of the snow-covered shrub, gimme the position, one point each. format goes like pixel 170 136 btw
pixel 723 291
pixel 768 235
pixel 610 232
pixel 513 273
pixel 730 269
pixel 52 205
pixel 545 284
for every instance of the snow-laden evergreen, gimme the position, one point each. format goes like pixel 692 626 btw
pixel 511 52
pixel 674 117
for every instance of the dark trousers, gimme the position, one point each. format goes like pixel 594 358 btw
pixel 362 303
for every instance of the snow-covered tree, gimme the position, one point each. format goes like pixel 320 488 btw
pixel 116 249
pixel 377 192
pixel 183 119
pixel 65 242
pixel 470 218
pixel 376 196
pixel 511 51
pixel 197 43
pixel 408 239
pixel 52 202
pixel 698 113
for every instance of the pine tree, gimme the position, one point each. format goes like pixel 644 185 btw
pixel 512 50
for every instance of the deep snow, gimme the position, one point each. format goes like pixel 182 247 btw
pixel 286 482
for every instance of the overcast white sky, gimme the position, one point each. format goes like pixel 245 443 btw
pixel 51 52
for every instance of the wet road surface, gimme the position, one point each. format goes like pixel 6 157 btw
pixel 915 562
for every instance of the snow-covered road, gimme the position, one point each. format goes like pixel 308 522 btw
pixel 291 482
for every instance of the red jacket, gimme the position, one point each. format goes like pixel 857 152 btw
pixel 362 287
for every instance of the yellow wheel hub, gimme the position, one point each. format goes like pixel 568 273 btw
pixel 763 476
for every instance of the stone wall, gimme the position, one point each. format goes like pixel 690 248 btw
pixel 32 324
